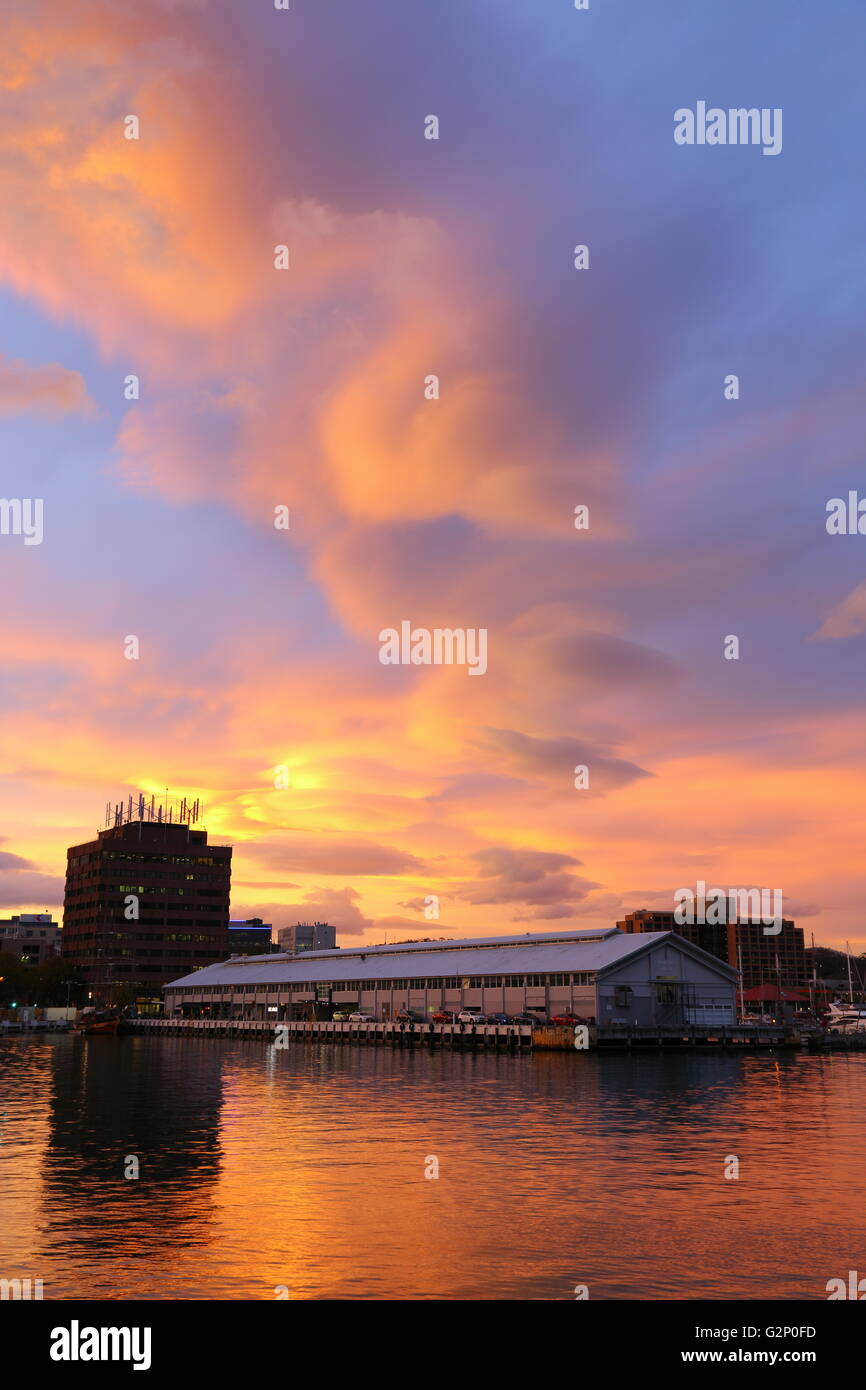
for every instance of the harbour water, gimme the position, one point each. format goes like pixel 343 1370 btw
pixel 304 1170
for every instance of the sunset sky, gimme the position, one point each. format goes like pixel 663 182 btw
pixel 305 388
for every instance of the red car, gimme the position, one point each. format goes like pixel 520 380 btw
pixel 566 1018
pixel 443 1016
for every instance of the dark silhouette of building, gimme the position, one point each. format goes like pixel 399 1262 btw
pixel 145 901
pixel 765 958
pixel 250 937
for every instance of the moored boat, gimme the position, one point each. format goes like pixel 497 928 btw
pixel 98 1021
pixel 842 1019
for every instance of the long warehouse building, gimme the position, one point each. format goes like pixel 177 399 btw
pixel 655 978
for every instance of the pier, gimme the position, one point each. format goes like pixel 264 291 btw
pixel 510 1037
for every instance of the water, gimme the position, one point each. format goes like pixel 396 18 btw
pixel 304 1169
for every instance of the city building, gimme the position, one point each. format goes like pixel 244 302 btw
pixel 307 936
pixel 777 958
pixel 606 975
pixel 251 937
pixel 34 937
pixel 147 898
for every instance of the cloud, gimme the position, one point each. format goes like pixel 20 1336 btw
pixel 331 854
pixel 14 861
pixel 51 389
pixel 24 890
pixel 847 619
pixel 338 906
pixel 419 928
pixel 535 878
pixel 307 388
pixel 555 760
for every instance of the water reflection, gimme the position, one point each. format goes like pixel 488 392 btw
pixel 306 1168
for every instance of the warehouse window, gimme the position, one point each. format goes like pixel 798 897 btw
pixel 622 996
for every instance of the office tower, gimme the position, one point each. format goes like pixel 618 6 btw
pixel 145 901
pixel 308 936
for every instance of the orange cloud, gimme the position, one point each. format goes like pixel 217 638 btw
pixel 50 389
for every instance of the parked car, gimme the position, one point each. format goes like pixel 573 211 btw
pixel 566 1018
pixel 404 1016
pixel 361 1018
pixel 340 1016
pixel 471 1016
pixel 498 1018
pixel 527 1018
pixel 442 1016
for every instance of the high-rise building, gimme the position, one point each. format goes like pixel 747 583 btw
pixel 145 900
pixel 308 936
pixel 250 937
pixel 34 937
pixel 766 958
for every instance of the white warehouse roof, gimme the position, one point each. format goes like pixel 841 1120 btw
pixel 486 955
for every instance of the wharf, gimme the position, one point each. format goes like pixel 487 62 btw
pixel 682 1038
pixel 503 1036
pixel 513 1037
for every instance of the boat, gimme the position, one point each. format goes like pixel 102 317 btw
pixel 850 1017
pixel 91 1021
pixel 846 1018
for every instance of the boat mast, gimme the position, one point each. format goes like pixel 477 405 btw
pixel 850 987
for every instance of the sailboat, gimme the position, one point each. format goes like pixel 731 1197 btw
pixel 850 1017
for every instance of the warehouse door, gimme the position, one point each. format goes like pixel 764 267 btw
pixel 670 1004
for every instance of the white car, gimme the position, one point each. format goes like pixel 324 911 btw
pixel 470 1016
pixel 361 1018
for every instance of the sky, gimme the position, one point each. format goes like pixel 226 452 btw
pixel 304 388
